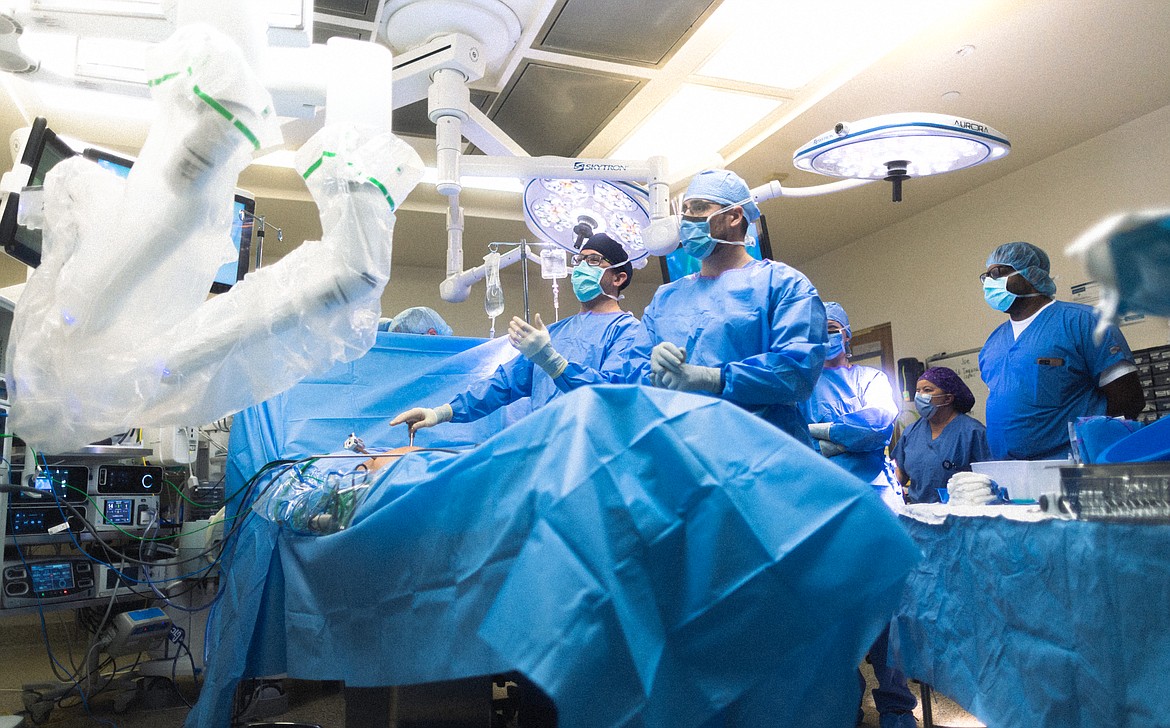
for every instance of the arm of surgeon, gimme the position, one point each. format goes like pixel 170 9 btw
pixel 1124 396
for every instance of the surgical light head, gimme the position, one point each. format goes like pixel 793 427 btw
pixel 1030 261
pixel 725 187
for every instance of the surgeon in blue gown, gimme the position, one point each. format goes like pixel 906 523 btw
pixel 749 331
pixel 587 348
pixel 1042 365
pixel 852 410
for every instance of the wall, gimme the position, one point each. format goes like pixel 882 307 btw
pixel 922 274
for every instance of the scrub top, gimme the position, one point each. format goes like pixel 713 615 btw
pixel 859 402
pixel 930 463
pixel 1045 379
pixel 595 344
pixel 762 325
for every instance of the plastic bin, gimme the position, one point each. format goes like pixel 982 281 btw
pixel 1024 480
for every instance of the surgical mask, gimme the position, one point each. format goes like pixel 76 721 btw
pixel 997 295
pixel 925 405
pixel 696 238
pixel 836 346
pixel 587 282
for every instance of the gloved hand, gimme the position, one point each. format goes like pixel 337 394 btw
pixel 694 378
pixel 420 417
pixel 829 448
pixel 969 489
pixel 665 357
pixel 820 430
pixel 533 342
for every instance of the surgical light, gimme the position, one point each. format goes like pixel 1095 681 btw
pixel 566 212
pixel 897 147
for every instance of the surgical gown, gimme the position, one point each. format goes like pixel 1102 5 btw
pixel 595 344
pixel 1045 379
pixel 930 463
pixel 859 402
pixel 763 325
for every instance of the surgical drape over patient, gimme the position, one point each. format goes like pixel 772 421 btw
pixel 610 546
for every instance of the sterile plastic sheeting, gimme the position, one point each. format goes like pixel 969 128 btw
pixel 113 330
pixel 608 546
pixel 1055 624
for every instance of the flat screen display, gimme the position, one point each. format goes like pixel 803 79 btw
pixel 42 152
pixel 120 511
pixel 51 577
pixel 679 264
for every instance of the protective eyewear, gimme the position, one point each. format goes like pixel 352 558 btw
pixel 594 259
pixel 697 210
pixel 996 272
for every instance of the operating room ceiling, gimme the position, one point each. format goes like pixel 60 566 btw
pixel 1048 74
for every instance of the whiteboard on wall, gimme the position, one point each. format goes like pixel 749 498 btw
pixel 966 365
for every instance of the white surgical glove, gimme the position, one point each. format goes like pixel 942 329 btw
pixel 693 378
pixel 819 430
pixel 829 448
pixel 665 357
pixel 421 417
pixel 969 489
pixel 534 343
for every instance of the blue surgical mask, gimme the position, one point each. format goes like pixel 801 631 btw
pixel 696 238
pixel 925 405
pixel 587 282
pixel 997 295
pixel 836 346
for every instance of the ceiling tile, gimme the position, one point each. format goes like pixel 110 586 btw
pixel 359 9
pixel 607 29
pixel 555 110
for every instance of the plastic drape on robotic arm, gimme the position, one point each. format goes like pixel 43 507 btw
pixel 114 329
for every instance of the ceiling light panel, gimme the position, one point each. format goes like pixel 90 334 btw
pixel 788 45
pixel 696 122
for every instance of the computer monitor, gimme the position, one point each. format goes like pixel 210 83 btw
pixel 42 151
pixel 679 264
pixel 243 221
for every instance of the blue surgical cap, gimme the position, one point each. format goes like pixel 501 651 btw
pixel 835 312
pixel 725 187
pixel 420 320
pixel 1031 262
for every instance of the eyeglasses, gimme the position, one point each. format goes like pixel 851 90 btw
pixel 594 259
pixel 996 272
pixel 699 208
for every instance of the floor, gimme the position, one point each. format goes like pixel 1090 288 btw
pixel 24 660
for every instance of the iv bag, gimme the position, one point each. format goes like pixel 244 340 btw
pixel 552 264
pixel 493 302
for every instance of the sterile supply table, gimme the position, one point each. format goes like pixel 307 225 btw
pixel 1028 620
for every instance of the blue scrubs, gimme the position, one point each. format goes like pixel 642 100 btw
pixel 930 463
pixel 1045 379
pixel 595 344
pixel 859 402
pixel 763 325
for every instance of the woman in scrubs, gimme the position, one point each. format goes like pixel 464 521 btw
pixel 945 441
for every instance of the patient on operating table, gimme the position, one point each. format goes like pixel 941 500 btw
pixel 319 495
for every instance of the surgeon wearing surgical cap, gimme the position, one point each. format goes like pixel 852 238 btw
pixel 587 348
pixel 1042 365
pixel 749 331
pixel 944 441
pixel 852 410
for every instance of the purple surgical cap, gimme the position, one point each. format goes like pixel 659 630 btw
pixel 949 382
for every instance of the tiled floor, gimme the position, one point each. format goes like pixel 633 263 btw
pixel 23 660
